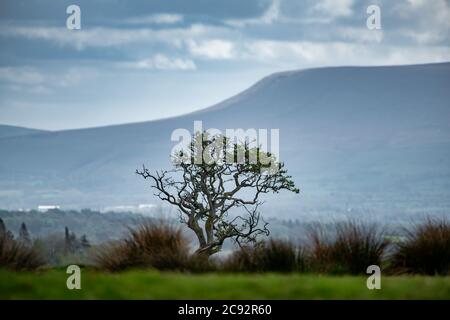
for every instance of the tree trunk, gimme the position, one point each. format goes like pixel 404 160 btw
pixel 208 250
pixel 193 225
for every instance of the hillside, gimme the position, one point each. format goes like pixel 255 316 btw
pixel 14 131
pixel 366 140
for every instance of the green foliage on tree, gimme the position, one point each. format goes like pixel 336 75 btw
pixel 217 185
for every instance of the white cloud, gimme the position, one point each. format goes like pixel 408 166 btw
pixel 303 54
pixel 211 49
pixel 333 8
pixel 271 15
pixel 422 37
pixel 21 75
pixel 162 62
pixel 202 41
pixel 358 34
pixel 327 11
pixel 423 22
pixel 109 37
pixel 320 12
pixel 343 43
pixel 294 52
pixel 33 80
pixel 161 18
pixel 418 3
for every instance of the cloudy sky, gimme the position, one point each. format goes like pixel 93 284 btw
pixel 147 59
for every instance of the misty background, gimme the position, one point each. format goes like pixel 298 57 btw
pixel 363 114
pixel 145 60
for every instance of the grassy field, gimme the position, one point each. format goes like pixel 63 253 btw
pixel 155 285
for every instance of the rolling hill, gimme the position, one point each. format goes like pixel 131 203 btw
pixel 363 140
pixel 14 131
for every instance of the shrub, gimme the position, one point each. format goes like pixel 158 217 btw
pixel 160 245
pixel 425 249
pixel 268 256
pixel 113 256
pixel 200 264
pixel 17 256
pixel 349 247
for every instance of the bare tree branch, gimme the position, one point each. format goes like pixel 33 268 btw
pixel 205 195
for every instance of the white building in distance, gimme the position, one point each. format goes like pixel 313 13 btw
pixel 45 208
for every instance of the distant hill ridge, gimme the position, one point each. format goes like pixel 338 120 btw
pixel 7 131
pixel 356 139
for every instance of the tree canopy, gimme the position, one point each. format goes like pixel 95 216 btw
pixel 217 185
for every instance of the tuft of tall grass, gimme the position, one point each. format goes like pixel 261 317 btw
pixel 425 249
pixel 342 248
pixel 267 256
pixel 17 256
pixel 348 247
pixel 151 245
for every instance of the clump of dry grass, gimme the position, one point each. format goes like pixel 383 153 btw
pixel 349 247
pixel 158 245
pixel 425 250
pixel 268 256
pixel 17 256
pixel 344 247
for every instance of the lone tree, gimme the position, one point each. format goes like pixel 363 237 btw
pixel 216 185
pixel 5 232
pixel 84 242
pixel 24 235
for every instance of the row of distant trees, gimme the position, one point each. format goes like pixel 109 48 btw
pixel 24 235
pixel 72 243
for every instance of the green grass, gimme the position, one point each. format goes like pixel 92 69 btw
pixel 154 285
